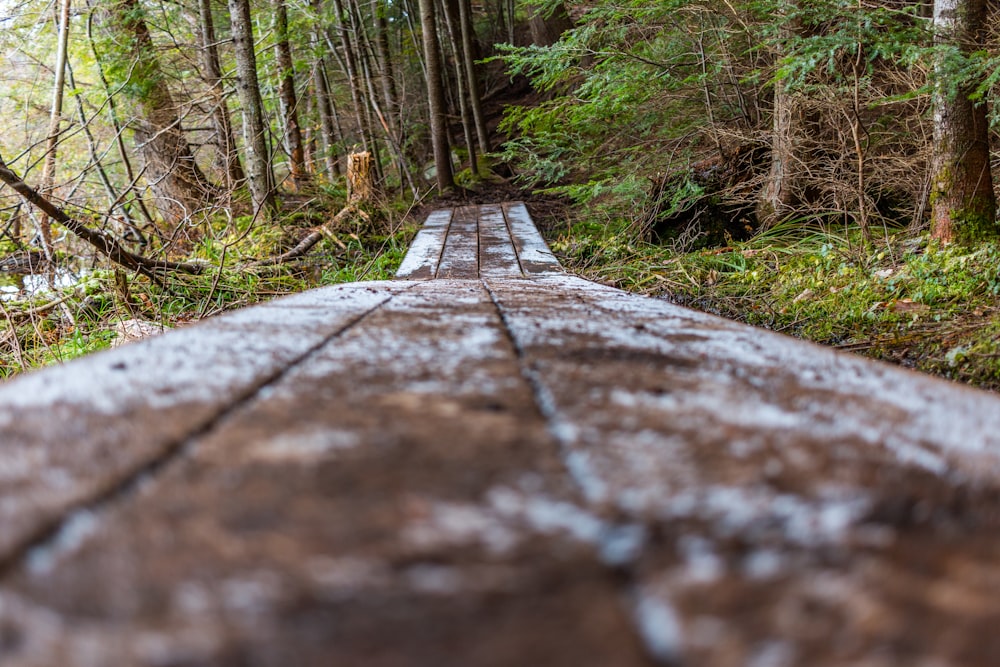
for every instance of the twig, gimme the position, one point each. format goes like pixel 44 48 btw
pixel 13 334
pixel 105 244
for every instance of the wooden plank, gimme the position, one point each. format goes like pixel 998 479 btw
pixel 72 435
pixel 497 257
pixel 778 475
pixel 534 254
pixel 395 501
pixel 460 258
pixel 421 260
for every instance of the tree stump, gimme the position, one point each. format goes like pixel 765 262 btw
pixel 359 177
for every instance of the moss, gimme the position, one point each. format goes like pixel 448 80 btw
pixel 900 298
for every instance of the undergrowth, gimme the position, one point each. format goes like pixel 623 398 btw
pixel 899 297
pixel 85 308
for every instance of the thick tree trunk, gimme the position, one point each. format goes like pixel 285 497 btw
pixel 287 97
pixel 435 97
pixel 116 123
pixel 963 204
pixel 259 175
pixel 228 156
pixel 178 184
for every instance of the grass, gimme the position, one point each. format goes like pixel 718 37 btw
pixel 899 298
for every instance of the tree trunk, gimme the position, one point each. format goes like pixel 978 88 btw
pixel 963 204
pixel 178 184
pixel 785 188
pixel 547 28
pixel 287 97
pixel 475 97
pixel 116 123
pixel 55 122
pixel 384 60
pixel 260 177
pixel 780 195
pixel 327 128
pixel 350 65
pixel 435 97
pixel 451 19
pixel 228 156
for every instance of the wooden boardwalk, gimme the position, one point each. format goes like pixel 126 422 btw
pixel 491 462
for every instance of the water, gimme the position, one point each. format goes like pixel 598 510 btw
pixel 20 286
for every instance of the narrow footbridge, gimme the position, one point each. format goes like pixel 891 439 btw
pixel 489 462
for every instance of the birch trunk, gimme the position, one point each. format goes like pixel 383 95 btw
pixel 229 157
pixel 55 123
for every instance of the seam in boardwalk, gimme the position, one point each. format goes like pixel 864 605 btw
pixel 121 487
pixel 510 233
pixel 641 608
pixel 444 242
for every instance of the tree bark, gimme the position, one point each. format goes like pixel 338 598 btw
pixel 229 157
pixel 384 60
pixel 287 97
pixel 55 123
pixel 547 28
pixel 327 127
pixel 963 204
pixel 475 96
pixel 781 193
pixel 350 65
pixel 116 123
pixel 260 177
pixel 784 190
pixel 178 184
pixel 454 40
pixel 435 97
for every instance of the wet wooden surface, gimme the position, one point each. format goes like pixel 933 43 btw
pixel 490 462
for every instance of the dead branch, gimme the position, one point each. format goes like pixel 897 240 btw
pixel 311 239
pixel 104 243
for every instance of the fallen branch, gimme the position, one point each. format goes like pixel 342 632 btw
pixel 311 239
pixel 104 243
pixel 19 316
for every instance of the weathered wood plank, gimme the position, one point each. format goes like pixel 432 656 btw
pixel 397 500
pixel 460 258
pixel 497 257
pixel 424 255
pixel 70 435
pixel 777 472
pixel 532 250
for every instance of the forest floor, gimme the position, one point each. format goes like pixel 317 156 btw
pixel 81 306
pixel 898 297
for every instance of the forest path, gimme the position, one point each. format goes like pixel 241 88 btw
pixel 491 462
